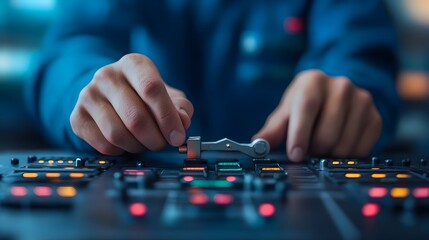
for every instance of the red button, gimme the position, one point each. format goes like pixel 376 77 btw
pixel 293 25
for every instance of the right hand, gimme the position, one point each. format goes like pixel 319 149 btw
pixel 127 107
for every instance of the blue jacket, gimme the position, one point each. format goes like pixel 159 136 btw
pixel 232 58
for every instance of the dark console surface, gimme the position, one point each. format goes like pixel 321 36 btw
pixel 46 195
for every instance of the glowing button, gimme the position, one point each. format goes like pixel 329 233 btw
pixel 399 192
pixel 378 175
pixel 370 209
pixel 193 169
pixel 351 162
pixel 41 161
pixel 377 192
pixel 60 161
pixel 66 191
pixel 102 162
pixel 352 175
pixel 335 162
pixel 402 175
pixel 50 161
pixel 231 178
pixel 421 192
pixel 138 209
pixel 223 199
pixel 199 199
pixel 267 209
pixel 70 161
pixel 77 175
pixel 53 175
pixel 188 178
pixel 18 191
pixel 42 191
pixel 30 175
pixel 271 169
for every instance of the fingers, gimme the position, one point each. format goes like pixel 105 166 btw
pixel 370 134
pixel 133 113
pixel 145 79
pixel 185 109
pixel 333 117
pixel 305 110
pixel 109 123
pixel 85 127
pixel 275 128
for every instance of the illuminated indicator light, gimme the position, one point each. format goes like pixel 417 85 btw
pixel 53 175
pixel 377 192
pixel 402 175
pixel 102 162
pixel 378 175
pixel 211 184
pixel 41 161
pixel 188 178
pixel 66 191
pixel 293 25
pixel 223 199
pixel 228 164
pixel 193 169
pixel 138 209
pixel 421 192
pixel 134 172
pixel 375 168
pixel 351 162
pixel 70 161
pixel 370 209
pixel 42 191
pixel 335 162
pixel 271 169
pixel 30 175
pixel 229 169
pixel 231 178
pixel 199 199
pixel 266 210
pixel 50 161
pixel 399 192
pixel 60 161
pixel 352 175
pixel 69 168
pixel 18 191
pixel 77 175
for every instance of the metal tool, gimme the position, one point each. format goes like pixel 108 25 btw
pixel 259 148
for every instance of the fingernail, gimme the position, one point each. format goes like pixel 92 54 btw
pixel 297 154
pixel 177 138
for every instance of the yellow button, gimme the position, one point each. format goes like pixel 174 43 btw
pixel 66 191
pixel 335 162
pixel 193 169
pixel 53 175
pixel 30 175
pixel 70 161
pixel 41 161
pixel 271 169
pixel 399 192
pixel 77 175
pixel 51 161
pixel 101 162
pixel 60 161
pixel 352 175
pixel 351 162
pixel 378 175
pixel 403 175
pixel 375 168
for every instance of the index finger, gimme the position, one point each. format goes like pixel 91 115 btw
pixel 146 81
pixel 306 107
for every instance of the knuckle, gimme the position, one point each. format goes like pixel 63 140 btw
pixel 87 94
pixel 344 85
pixel 104 73
pixel 316 74
pixel 151 87
pixel 365 97
pixel 114 136
pixel 135 58
pixel 134 120
pixel 310 104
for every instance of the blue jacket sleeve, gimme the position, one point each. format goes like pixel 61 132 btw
pixel 86 36
pixel 356 39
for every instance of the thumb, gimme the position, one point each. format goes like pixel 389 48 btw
pixel 274 129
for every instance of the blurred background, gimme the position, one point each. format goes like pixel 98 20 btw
pixel 24 22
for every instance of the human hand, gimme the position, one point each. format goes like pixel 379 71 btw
pixel 127 107
pixel 324 116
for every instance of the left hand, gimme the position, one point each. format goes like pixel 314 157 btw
pixel 324 116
